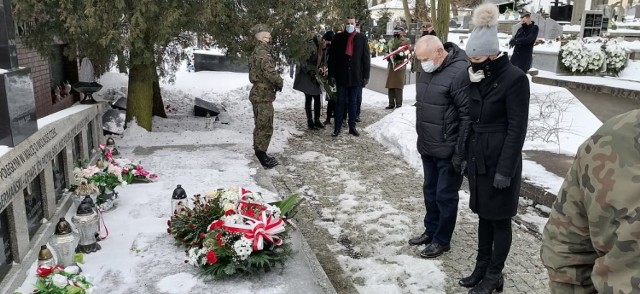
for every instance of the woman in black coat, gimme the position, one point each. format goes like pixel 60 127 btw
pixel 499 111
pixel 307 83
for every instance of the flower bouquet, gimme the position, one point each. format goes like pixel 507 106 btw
pixel 59 280
pixel 399 55
pixel 234 232
pixel 576 57
pixel 616 58
pixel 131 172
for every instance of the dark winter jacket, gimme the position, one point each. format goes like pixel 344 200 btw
pixel 349 71
pixel 305 80
pixel 523 42
pixel 499 109
pixel 442 107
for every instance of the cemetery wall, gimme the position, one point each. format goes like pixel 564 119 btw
pixel 33 178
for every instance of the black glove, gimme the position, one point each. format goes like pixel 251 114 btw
pixel 512 43
pixel 459 165
pixel 278 88
pixel 365 82
pixel 501 182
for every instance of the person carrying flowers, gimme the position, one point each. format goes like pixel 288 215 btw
pixel 395 78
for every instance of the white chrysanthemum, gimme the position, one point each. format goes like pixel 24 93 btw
pixel 242 248
pixel 59 280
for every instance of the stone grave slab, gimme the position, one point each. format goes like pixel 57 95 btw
pixel 113 121
pixel 17 107
pixel 120 104
pixel 547 28
pixel 202 107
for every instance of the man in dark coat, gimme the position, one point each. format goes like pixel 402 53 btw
pixel 499 109
pixel 349 65
pixel 442 119
pixel 523 42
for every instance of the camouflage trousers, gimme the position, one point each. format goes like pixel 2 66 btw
pixel 263 130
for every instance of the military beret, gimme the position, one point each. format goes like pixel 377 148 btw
pixel 259 28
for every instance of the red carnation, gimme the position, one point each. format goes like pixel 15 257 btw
pixel 202 235
pixel 229 212
pixel 251 213
pixel 212 257
pixel 219 238
pixel 216 225
pixel 189 214
pixel 168 222
pixel 169 230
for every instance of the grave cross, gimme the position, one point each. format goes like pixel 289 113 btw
pixel 8 53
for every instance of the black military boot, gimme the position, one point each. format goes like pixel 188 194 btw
pixel 265 161
pixel 319 124
pixel 478 274
pixel 488 284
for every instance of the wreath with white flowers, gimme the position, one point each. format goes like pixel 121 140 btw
pixel 576 57
pixel 616 58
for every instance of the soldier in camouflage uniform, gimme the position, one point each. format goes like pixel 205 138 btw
pixel 266 82
pixel 591 243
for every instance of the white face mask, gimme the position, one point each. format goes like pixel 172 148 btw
pixel 428 66
pixel 350 28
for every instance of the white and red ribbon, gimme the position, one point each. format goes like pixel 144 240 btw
pixel 259 230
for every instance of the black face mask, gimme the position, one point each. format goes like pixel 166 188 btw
pixel 397 36
pixel 424 33
pixel 481 65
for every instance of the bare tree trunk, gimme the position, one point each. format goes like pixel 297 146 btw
pixel 421 11
pixel 407 12
pixel 433 12
pixel 442 20
pixel 454 9
pixel 158 104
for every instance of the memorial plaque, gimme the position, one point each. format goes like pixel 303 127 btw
pixel 17 107
pixel 90 137
pixel 6 258
pixel 34 205
pixel 59 180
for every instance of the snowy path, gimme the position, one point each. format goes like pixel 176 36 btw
pixel 364 203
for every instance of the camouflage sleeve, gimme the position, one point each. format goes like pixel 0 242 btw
pixel 566 246
pixel 591 243
pixel 268 67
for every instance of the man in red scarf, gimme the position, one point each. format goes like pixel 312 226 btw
pixel 349 65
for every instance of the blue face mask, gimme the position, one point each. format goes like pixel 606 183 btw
pixel 350 28
pixel 428 66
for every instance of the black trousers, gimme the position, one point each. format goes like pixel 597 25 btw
pixel 494 243
pixel 316 107
pixel 331 106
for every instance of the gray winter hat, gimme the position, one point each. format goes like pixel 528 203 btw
pixel 483 40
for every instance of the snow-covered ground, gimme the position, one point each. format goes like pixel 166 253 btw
pixel 225 159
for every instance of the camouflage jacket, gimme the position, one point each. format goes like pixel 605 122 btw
pixel 591 243
pixel 263 75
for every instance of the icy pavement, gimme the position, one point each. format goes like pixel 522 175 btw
pixel 364 203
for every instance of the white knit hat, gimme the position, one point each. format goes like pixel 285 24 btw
pixel 483 40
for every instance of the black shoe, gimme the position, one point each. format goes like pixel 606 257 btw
pixel 399 105
pixel 354 132
pixel 311 125
pixel 318 125
pixel 390 107
pixel 327 121
pixel 488 284
pixel 423 239
pixel 358 119
pixel 434 250
pixel 478 274
pixel 335 133
pixel 265 161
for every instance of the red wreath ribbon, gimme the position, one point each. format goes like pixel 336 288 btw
pixel 259 230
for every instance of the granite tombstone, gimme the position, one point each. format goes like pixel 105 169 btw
pixel 17 99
